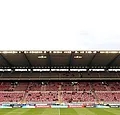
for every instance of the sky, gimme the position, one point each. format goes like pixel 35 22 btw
pixel 59 25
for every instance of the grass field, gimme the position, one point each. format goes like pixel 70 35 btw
pixel 71 111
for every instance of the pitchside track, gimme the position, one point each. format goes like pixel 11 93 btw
pixel 71 111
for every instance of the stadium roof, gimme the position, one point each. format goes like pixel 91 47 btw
pixel 60 59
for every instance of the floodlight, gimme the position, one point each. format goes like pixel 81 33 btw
pixel 42 57
pixel 78 57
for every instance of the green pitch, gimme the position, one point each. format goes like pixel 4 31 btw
pixel 71 111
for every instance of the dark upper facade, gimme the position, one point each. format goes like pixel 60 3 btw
pixel 60 59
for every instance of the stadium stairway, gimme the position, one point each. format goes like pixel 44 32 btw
pixel 93 91
pixel 108 88
pixel 25 97
pixel 26 92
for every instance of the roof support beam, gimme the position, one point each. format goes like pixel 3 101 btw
pixel 110 63
pixel 49 60
pixel 8 63
pixel 90 62
pixel 30 65
pixel 70 59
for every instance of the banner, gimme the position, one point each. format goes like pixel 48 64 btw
pixel 42 106
pixel 5 107
pixel 28 106
pixel 102 106
pixel 75 106
pixel 59 106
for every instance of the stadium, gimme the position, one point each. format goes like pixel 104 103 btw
pixel 59 57
pixel 60 82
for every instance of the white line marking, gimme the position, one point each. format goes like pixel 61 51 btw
pixel 59 111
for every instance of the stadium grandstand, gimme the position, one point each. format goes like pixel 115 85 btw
pixel 59 77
